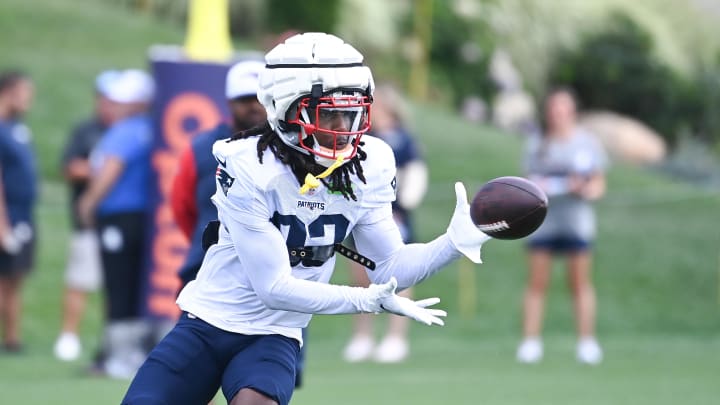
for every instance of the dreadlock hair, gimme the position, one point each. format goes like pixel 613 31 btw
pixel 301 164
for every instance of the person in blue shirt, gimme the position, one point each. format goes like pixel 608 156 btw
pixel 18 187
pixel 116 202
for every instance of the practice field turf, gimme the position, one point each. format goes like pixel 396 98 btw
pixel 444 369
pixel 656 277
pixel 657 266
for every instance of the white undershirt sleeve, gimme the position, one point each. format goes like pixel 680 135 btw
pixel 410 264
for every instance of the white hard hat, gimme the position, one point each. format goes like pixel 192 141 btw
pixel 104 79
pixel 242 79
pixel 131 86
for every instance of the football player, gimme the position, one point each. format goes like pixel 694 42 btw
pixel 288 193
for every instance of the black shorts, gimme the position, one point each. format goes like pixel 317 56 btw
pixel 122 253
pixel 22 262
pixel 561 244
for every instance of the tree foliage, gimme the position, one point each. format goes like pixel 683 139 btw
pixel 306 15
pixel 617 70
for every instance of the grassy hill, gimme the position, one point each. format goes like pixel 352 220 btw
pixel 63 44
pixel 657 261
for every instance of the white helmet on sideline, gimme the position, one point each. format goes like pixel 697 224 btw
pixel 308 80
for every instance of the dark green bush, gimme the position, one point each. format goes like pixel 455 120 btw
pixel 460 49
pixel 703 105
pixel 617 70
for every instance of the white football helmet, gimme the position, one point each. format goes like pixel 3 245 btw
pixel 315 86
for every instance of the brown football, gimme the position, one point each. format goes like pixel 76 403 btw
pixel 509 207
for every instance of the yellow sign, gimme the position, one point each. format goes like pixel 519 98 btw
pixel 208 34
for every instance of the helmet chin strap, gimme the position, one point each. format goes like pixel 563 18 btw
pixel 314 182
pixel 329 152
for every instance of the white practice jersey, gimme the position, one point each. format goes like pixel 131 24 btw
pixel 246 283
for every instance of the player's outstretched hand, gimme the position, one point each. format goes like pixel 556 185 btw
pixel 463 233
pixel 388 301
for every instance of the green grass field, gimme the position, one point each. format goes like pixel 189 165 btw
pixel 657 278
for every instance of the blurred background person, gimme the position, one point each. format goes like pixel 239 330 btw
pixel 83 273
pixel 18 188
pixel 569 164
pixel 116 202
pixel 389 122
pixel 194 182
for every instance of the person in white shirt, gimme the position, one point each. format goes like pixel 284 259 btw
pixel 288 193
pixel 569 164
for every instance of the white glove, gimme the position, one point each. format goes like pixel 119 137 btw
pixel 385 300
pixel 10 244
pixel 463 233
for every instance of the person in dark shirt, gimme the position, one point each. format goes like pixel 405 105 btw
pixel 194 182
pixel 390 123
pixel 83 273
pixel 18 187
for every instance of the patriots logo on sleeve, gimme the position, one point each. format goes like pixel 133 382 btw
pixel 224 179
